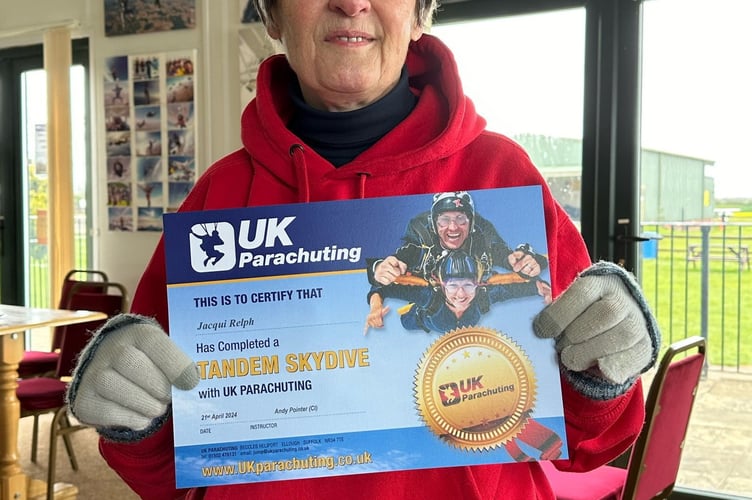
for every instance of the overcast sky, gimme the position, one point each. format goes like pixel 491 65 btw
pixel 525 76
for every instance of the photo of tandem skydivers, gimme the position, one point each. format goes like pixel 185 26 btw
pixel 451 267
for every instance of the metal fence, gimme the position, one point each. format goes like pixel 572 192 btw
pixel 38 273
pixel 698 281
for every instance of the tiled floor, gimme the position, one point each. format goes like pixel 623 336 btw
pixel 718 450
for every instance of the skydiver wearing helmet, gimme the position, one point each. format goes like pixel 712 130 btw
pixel 458 299
pixel 451 224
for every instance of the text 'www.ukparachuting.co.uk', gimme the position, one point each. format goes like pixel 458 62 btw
pixel 266 466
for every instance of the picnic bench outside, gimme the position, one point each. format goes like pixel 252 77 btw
pixel 728 253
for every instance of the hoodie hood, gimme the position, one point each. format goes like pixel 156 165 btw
pixel 443 122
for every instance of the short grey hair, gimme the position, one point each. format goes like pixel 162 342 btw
pixel 424 10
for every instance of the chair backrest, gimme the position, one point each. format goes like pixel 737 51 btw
pixel 111 299
pixel 94 277
pixel 656 455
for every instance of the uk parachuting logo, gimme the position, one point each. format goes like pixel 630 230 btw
pixel 212 247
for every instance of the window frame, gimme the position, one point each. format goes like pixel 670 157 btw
pixel 611 117
pixel 611 127
pixel 13 62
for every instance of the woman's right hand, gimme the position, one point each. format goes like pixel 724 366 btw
pixel 125 375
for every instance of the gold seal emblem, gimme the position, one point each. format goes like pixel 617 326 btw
pixel 475 388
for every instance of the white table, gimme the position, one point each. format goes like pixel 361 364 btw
pixel 14 321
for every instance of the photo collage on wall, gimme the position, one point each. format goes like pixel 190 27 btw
pixel 150 120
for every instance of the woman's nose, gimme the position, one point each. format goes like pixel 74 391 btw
pixel 350 8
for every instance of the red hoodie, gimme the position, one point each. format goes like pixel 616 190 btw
pixel 441 146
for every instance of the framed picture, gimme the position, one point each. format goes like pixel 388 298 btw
pixel 128 17
pixel 249 13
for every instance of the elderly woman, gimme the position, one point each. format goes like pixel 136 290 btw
pixel 365 104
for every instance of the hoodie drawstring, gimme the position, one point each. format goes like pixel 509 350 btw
pixel 301 169
pixel 298 159
pixel 363 177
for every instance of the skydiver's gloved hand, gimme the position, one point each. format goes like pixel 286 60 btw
pixel 605 334
pixel 122 383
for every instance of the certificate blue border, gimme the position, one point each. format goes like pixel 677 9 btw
pixel 266 305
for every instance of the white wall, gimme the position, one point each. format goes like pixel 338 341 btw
pixel 124 255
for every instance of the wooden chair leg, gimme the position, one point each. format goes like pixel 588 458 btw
pixel 65 434
pixel 61 427
pixel 34 437
pixel 52 458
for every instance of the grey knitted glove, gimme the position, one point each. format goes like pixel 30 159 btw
pixel 605 334
pixel 122 383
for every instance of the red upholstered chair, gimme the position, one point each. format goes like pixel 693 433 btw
pixel 41 363
pixel 40 395
pixel 655 457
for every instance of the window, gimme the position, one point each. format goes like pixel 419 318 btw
pixel 696 190
pixel 695 123
pixel 34 167
pixel 525 77
pixel 24 274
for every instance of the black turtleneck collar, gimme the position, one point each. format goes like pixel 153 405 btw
pixel 341 136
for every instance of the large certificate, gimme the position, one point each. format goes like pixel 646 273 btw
pixel 316 361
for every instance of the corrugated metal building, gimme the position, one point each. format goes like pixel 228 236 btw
pixel 673 187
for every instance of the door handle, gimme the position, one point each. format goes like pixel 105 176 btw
pixel 630 238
